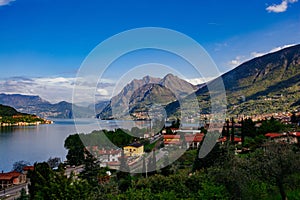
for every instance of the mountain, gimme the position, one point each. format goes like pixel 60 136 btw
pixel 8 111
pixel 99 106
pixel 140 95
pixel 37 106
pixel 266 84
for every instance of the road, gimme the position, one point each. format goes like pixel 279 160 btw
pixel 12 192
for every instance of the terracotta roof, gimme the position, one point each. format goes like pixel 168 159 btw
pixel 171 142
pixel 113 163
pixel 9 175
pixel 171 136
pixel 274 135
pixel 28 168
pixel 236 139
pixel 194 138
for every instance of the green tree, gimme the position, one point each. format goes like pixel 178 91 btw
pixel 19 165
pixel 75 149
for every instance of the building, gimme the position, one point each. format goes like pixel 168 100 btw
pixel 172 140
pixel 193 141
pixel 11 178
pixel 134 149
pixel 237 140
pixel 105 156
pixel 291 138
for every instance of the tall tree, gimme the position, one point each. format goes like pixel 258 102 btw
pixel 232 130
pixel 75 149
pixel 19 165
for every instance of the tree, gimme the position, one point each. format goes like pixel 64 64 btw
pixel 248 127
pixel 54 162
pixel 23 195
pixel 19 165
pixel 294 118
pixel 271 125
pixel 123 175
pixel 47 184
pixel 232 130
pixel 91 169
pixel 211 159
pixel 275 164
pixel 75 148
pixel 175 124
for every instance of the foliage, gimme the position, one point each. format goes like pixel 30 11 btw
pixel 47 184
pixel 19 165
pixel 54 162
pixel 270 125
pixel 75 149
pixel 7 111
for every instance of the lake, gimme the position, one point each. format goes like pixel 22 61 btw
pixel 39 143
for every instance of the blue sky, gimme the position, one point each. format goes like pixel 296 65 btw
pixel 44 42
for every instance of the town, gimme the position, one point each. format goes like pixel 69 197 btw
pixel 153 153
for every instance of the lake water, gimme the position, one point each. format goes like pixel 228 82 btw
pixel 39 143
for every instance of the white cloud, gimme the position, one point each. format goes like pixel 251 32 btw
pixel 236 61
pixel 196 81
pixel 5 2
pixel 282 7
pixel 258 54
pixel 57 88
pixel 241 59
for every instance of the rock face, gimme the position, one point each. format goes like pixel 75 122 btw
pixel 270 83
pixel 37 106
pixel 140 95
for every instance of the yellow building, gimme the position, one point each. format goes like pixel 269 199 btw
pixel 134 149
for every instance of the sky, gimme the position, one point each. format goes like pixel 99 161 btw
pixel 43 43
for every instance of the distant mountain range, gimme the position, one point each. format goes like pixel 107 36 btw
pixel 140 95
pixel 267 84
pixel 42 108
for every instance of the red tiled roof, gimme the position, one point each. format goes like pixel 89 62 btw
pixel 28 168
pixel 194 138
pixel 171 142
pixel 113 163
pixel 274 135
pixel 171 136
pixel 236 139
pixel 9 175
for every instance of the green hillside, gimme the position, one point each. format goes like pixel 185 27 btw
pixel 267 84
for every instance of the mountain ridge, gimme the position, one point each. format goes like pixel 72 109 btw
pixel 35 105
pixel 129 99
pixel 266 84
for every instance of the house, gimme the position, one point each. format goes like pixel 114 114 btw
pixel 237 140
pixel 278 137
pixel 172 139
pixel 193 141
pixel 134 149
pixel 291 138
pixel 105 156
pixel 11 178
